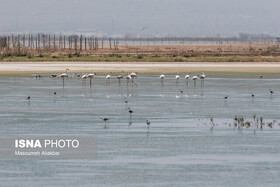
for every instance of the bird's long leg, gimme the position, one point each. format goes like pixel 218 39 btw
pixel 63 81
pixel 133 82
pixel 187 82
pixel 161 82
pixel 90 81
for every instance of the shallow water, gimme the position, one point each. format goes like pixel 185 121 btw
pixel 178 149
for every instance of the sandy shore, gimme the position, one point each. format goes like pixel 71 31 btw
pixel 143 67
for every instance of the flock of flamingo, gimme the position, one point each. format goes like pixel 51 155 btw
pixel 130 78
pixel 187 77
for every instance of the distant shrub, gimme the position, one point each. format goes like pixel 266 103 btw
pixel 29 56
pixel 178 60
pixel 186 55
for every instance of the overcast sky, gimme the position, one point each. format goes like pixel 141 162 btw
pixel 175 17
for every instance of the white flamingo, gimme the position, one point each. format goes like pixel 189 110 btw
pixel 84 77
pixel 187 77
pixel 194 78
pixel 162 76
pixel 108 77
pixel 202 77
pixel 64 75
pixel 177 77
pixel 91 76
pixel 128 78
pixel 133 75
pixel 120 77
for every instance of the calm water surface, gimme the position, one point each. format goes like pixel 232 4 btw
pixel 177 150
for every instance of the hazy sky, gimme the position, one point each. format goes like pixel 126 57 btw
pixel 176 17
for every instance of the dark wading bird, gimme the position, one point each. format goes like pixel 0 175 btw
pixel 125 101
pixel 148 123
pixel 105 121
pixel 130 112
pixel 226 97
pixel 28 98
pixel 130 116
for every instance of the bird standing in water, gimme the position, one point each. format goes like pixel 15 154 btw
pixel 148 123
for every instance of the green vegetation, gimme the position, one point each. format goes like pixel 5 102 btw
pixel 119 57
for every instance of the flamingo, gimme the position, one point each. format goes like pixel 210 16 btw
pixel 202 77
pixel 177 77
pixel 194 78
pixel 120 77
pixel 63 75
pixel 84 77
pixel 91 76
pixel 128 78
pixel 108 77
pixel 133 75
pixel 187 77
pixel 162 76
